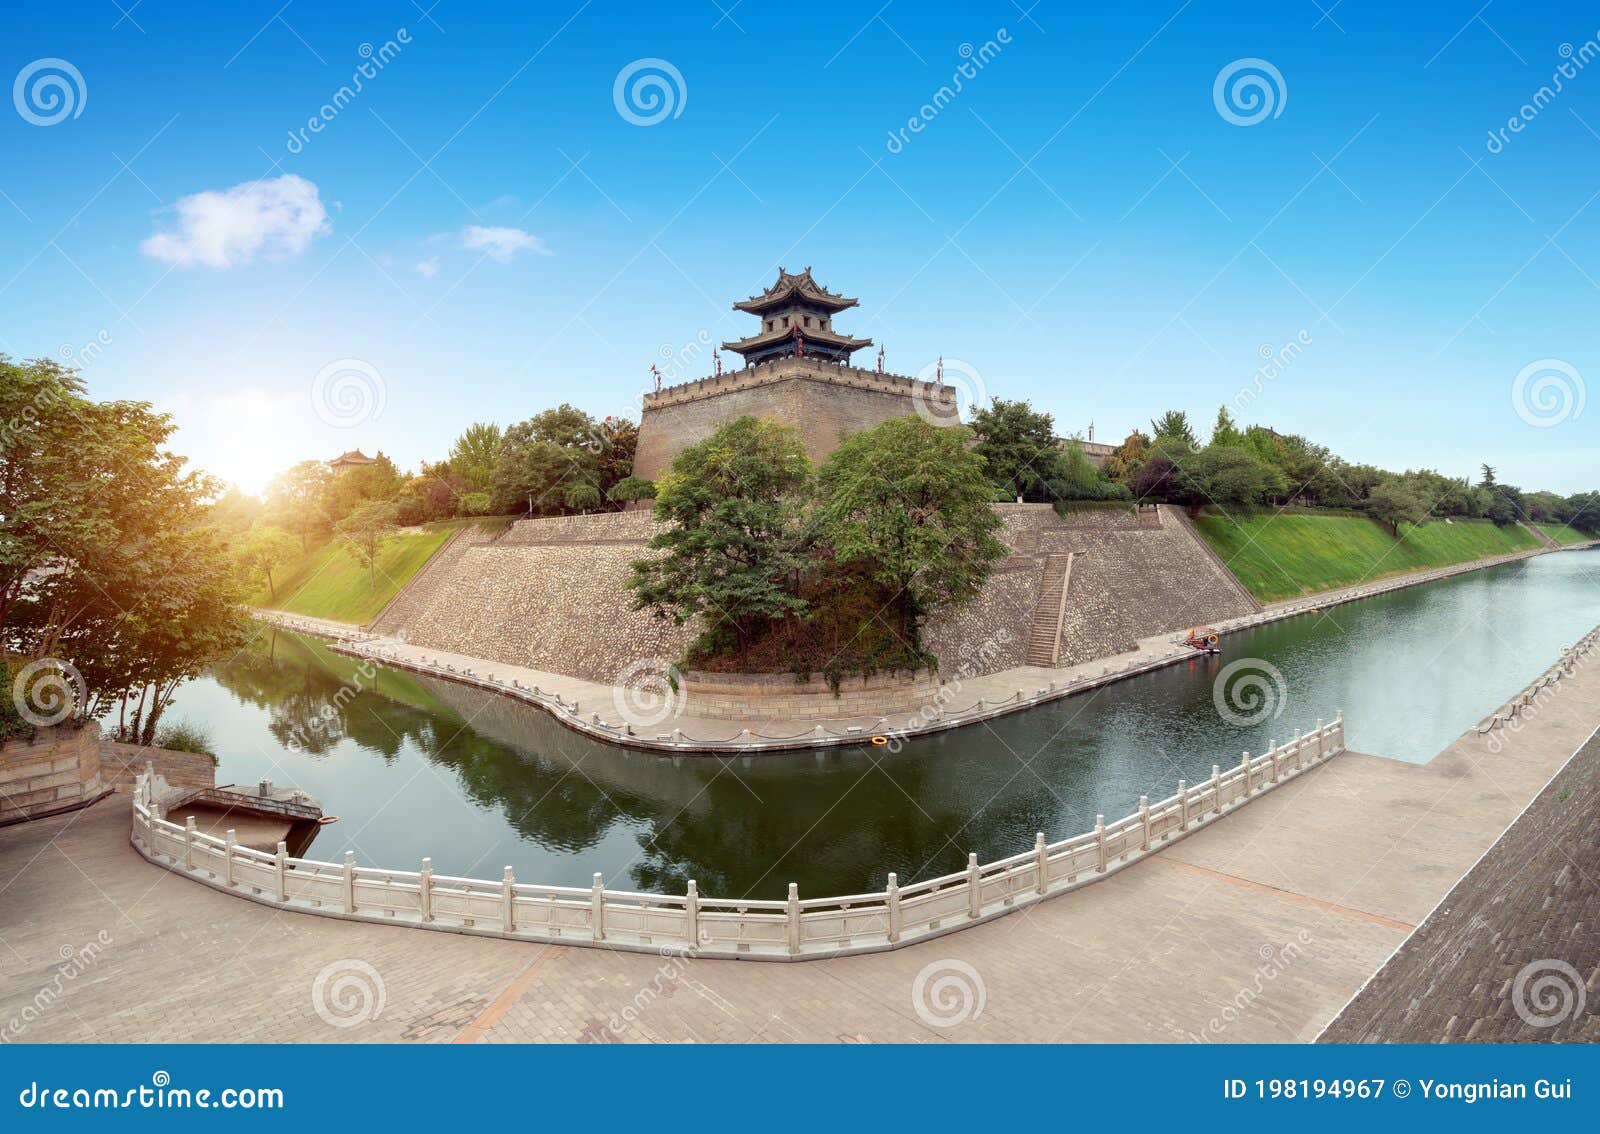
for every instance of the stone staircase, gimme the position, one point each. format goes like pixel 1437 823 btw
pixel 1044 637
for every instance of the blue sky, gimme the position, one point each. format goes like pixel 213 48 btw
pixel 1082 225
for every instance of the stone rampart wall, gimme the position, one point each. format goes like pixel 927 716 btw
pixel 552 594
pixel 61 768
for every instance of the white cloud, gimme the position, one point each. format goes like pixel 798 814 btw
pixel 222 228
pixel 428 267
pixel 501 243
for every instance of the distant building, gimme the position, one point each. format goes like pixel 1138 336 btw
pixel 354 459
pixel 797 369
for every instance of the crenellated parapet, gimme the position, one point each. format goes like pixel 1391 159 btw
pixel 785 369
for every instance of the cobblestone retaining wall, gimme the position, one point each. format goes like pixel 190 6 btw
pixel 551 594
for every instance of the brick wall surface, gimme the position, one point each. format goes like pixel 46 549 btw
pixel 822 400
pixel 57 769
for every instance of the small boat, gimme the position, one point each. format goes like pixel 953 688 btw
pixel 1204 639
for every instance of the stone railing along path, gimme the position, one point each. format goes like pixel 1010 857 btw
pixel 793 929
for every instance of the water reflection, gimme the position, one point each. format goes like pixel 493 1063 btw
pixel 417 767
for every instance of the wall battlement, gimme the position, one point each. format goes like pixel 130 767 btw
pixel 783 369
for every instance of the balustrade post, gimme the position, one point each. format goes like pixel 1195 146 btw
pixel 691 913
pixel 188 843
pixel 974 886
pixel 228 842
pixel 1299 752
pixel 425 890
pixel 1144 822
pixel 893 890
pixel 349 882
pixel 1338 719
pixel 508 901
pixel 1183 805
pixel 597 907
pixel 1244 764
pixel 1272 752
pixel 1319 738
pixel 1041 859
pixel 1099 844
pixel 280 863
pixel 1216 789
pixel 792 916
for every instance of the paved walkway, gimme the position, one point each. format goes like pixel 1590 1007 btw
pixel 1259 928
pixel 1512 955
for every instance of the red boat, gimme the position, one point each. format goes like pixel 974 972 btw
pixel 1204 639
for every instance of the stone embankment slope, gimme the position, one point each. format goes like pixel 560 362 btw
pixel 551 594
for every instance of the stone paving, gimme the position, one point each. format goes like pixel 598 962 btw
pixel 1259 928
pixel 1512 954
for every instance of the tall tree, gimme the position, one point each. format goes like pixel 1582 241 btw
pixel 733 551
pixel 365 532
pixel 1018 447
pixel 909 502
pixel 473 454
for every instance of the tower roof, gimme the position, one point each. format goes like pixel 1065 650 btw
pixel 790 287
pixel 812 339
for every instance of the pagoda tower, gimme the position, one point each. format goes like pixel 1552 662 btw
pixel 796 316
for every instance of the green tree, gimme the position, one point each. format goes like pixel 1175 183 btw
pixel 581 497
pixel 1018 447
pixel 473 454
pixel 909 502
pixel 112 558
pixel 1174 426
pixel 296 500
pixel 733 551
pixel 1229 478
pixel 1225 433
pixel 631 488
pixel 262 551
pixel 365 532
pixel 1394 503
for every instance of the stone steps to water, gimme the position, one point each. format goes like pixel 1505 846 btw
pixel 1044 635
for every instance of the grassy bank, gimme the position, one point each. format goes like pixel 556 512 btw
pixel 1563 534
pixel 1282 556
pixel 329 583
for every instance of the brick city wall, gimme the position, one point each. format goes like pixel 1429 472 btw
pixel 63 768
pixel 821 399
pixel 552 594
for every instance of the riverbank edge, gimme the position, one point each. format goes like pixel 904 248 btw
pixel 353 641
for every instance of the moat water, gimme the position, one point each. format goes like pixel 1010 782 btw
pixel 416 767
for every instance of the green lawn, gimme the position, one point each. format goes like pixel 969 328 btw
pixel 329 583
pixel 1282 556
pixel 1563 534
